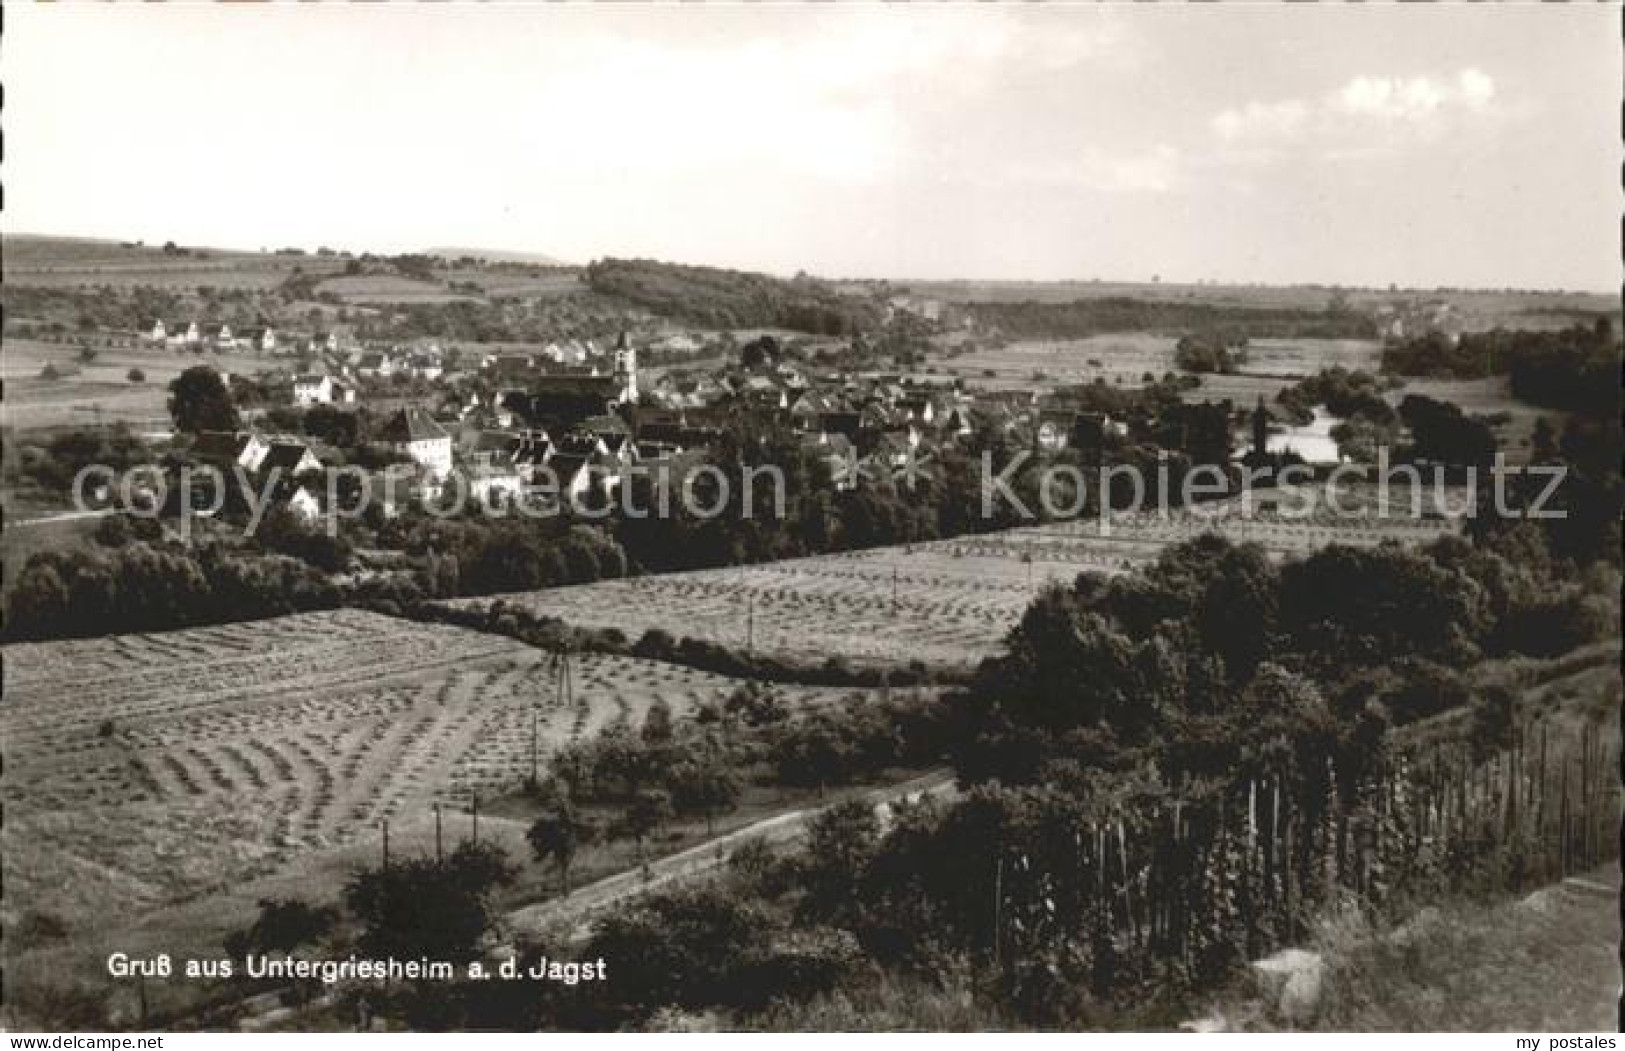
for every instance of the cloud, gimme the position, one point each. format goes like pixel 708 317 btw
pixel 1415 98
pixel 1262 119
pixel 1361 107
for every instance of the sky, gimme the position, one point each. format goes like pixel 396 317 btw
pixel 1421 145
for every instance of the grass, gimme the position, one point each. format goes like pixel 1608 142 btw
pixel 100 392
pixel 1488 397
pixel 1548 963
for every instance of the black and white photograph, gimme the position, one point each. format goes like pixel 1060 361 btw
pixel 806 518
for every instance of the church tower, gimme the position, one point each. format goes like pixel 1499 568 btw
pixel 626 369
pixel 1261 432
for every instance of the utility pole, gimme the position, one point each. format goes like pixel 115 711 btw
pixel 534 731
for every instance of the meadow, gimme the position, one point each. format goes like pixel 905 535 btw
pixel 72 263
pixel 149 770
pixel 100 391
pixel 946 603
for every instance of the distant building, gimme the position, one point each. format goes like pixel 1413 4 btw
pixel 414 432
pixel 227 449
pixel 311 390
pixel 561 401
pixel 289 459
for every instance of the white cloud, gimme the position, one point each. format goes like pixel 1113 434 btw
pixel 1415 98
pixel 1364 103
pixel 1262 118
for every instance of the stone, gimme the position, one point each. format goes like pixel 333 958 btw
pixel 1292 980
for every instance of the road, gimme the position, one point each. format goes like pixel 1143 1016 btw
pixel 65 516
pixel 583 905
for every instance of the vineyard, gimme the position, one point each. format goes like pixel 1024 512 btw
pixel 946 602
pixel 147 769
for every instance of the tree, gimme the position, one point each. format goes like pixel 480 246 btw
pixel 814 752
pixel 648 809
pixel 704 785
pixel 282 926
pixel 421 907
pixel 690 948
pixel 199 401
pixel 657 726
pixel 136 376
pixel 558 834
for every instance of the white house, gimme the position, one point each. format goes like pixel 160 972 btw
pixel 227 449
pixel 414 432
pixel 311 390
pixel 495 486
pixel 304 505
pixel 290 459
pixel 183 335
pixel 375 364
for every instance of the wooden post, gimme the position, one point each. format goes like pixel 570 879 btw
pixel 386 842
pixel 998 902
pixel 438 853
pixel 474 812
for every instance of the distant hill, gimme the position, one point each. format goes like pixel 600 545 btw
pixel 734 298
pixel 497 255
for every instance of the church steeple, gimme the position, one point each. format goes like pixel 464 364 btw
pixel 626 369
pixel 1261 430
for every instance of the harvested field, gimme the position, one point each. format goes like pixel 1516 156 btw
pixel 145 770
pixel 1044 363
pixel 946 603
pixel 99 391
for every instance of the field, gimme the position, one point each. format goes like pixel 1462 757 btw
pixel 1488 397
pixel 1041 364
pixel 388 288
pixel 1124 359
pixel 500 284
pixel 146 770
pixel 72 263
pixel 1480 309
pixel 101 391
pixel 947 603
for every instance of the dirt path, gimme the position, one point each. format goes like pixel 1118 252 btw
pixel 585 904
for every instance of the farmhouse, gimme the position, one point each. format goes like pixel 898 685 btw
pixel 303 503
pixel 495 485
pixel 180 335
pixel 311 390
pixel 375 365
pixel 290 459
pixel 261 338
pixel 227 449
pixel 413 431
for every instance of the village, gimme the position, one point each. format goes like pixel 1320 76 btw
pixel 570 422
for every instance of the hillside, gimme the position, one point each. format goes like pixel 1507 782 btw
pixel 734 298
pixel 496 255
